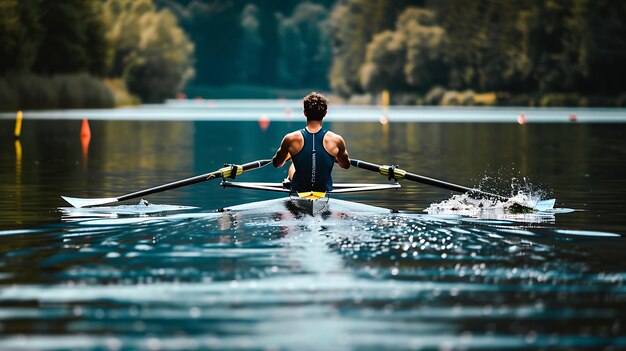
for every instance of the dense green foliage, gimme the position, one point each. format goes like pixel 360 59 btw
pixel 54 53
pixel 148 49
pixel 51 37
pixel 409 58
pixel 20 35
pixel 567 48
pixel 49 53
pixel 423 51
pixel 53 92
pixel 354 24
pixel 74 38
pixel 257 42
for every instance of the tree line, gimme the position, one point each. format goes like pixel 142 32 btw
pixel 271 43
pixel 547 52
pixel 83 53
pixel 566 52
pixel 423 52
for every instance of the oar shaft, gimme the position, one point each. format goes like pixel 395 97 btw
pixel 224 172
pixel 169 186
pixel 402 174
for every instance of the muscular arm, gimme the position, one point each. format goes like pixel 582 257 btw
pixel 282 155
pixel 343 159
pixel 336 146
pixel 291 145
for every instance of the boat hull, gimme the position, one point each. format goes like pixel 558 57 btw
pixel 299 207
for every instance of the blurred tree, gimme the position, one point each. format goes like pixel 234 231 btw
pixel 251 44
pixel 602 24
pixel 245 41
pixel 526 46
pixel 73 40
pixel 546 35
pixel 305 47
pixel 497 42
pixel 20 35
pixel 352 28
pixel 460 21
pixel 151 51
pixel 411 58
pixel 425 65
pixel 215 29
pixel 535 46
pixel 577 45
pixel 96 45
pixel 124 32
pixel 384 63
pixel 482 43
pixel 353 23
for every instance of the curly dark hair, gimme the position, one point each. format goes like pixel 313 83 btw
pixel 315 106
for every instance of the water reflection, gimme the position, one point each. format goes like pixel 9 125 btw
pixel 237 279
pixel 576 163
pixel 271 279
pixel 18 176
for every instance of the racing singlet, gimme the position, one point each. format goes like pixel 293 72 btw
pixel 313 164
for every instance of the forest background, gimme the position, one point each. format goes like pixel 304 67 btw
pixel 95 53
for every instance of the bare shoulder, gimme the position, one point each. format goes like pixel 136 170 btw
pixel 335 137
pixel 293 136
pixel 293 142
pixel 336 146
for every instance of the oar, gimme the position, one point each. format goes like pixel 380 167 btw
pixel 395 173
pixel 228 171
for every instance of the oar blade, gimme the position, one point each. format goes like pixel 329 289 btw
pixel 224 172
pixel 82 202
pixel 544 205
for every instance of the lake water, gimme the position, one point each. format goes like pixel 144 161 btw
pixel 201 279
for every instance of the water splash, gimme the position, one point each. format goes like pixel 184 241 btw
pixel 523 200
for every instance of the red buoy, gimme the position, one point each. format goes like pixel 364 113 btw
pixel 85 132
pixel 85 138
pixel 264 122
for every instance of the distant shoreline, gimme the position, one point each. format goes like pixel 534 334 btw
pixel 35 97
pixel 442 97
pixel 289 110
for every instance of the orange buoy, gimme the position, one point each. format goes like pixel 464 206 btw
pixel 573 118
pixel 264 122
pixel 521 119
pixel 85 132
pixel 85 138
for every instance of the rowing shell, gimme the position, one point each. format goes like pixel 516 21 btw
pixel 334 207
pixel 311 202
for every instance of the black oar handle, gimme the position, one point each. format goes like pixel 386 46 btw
pixel 255 164
pixel 400 174
pixel 365 165
pixel 224 172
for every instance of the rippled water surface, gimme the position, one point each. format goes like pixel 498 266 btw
pixel 358 277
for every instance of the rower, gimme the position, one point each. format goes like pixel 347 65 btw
pixel 312 150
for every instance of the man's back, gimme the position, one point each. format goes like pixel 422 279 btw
pixel 312 150
pixel 313 163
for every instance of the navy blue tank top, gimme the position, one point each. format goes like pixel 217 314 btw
pixel 313 164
